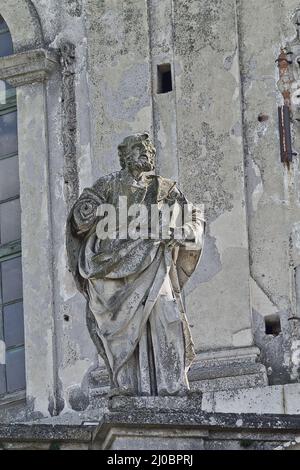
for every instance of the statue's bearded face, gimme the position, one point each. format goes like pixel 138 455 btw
pixel 140 157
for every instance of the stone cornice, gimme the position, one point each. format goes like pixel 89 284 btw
pixel 28 67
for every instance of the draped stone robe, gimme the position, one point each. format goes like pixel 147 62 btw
pixel 133 287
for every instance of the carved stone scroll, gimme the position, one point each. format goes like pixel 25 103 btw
pixel 69 123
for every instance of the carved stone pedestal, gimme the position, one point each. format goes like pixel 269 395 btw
pixel 160 424
pixel 227 369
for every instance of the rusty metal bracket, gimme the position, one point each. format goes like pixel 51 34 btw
pixel 285 134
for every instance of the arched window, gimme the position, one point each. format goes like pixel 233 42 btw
pixel 12 360
pixel 6 46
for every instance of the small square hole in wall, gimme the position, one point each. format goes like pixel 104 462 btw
pixel 272 325
pixel 164 78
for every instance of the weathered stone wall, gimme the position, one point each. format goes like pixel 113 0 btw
pixel 272 188
pixel 208 137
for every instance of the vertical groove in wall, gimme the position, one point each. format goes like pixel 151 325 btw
pixel 245 145
pixel 151 71
pixel 174 82
pixel 88 92
pixel 70 166
pixel 52 410
pixel 163 102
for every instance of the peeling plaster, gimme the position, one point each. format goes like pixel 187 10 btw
pixel 231 64
pixel 258 190
pixel 242 338
pixel 209 267
pixel 84 167
pixel 260 301
pixel 69 375
pixel 226 229
pixel 296 243
pixel 295 359
pixel 41 404
pixel 236 133
pixel 67 287
pixel 59 188
pixel 116 102
pixel 254 185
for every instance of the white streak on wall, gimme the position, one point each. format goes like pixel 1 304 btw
pixel 2 352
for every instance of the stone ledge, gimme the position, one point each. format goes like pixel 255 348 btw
pixel 228 421
pixel 186 431
pixel 22 432
pixel 146 429
pixel 28 67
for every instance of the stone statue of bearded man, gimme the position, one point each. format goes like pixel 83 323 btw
pixel 133 281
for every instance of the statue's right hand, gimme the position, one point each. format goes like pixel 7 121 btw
pixel 85 210
pixel 85 213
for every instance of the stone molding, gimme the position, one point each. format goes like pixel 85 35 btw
pixel 123 430
pixel 28 67
pixel 182 430
pixel 69 123
pixel 236 354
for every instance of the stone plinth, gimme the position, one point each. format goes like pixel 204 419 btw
pixel 160 416
pixel 227 369
pixel 188 404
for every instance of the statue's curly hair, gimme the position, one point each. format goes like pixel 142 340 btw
pixel 125 147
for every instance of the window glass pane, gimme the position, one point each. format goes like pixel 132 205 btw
pixel 9 178
pixel 15 369
pixel 8 134
pixel 6 46
pixel 7 95
pixel 2 379
pixel 11 279
pixel 3 25
pixel 13 325
pixel 10 221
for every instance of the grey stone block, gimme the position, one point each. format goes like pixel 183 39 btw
pixel 157 404
pixel 292 398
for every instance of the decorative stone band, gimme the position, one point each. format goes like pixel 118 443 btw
pixel 28 67
pixel 147 430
